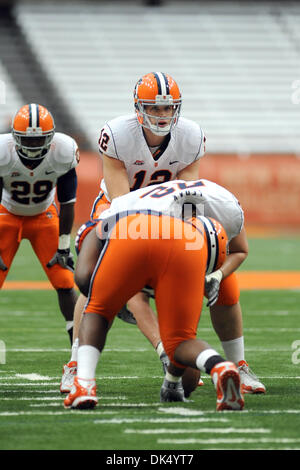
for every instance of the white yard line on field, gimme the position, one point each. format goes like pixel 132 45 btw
pixel 26 384
pixel 262 440
pixel 54 413
pixel 52 350
pixel 181 411
pixel 60 398
pixel 159 420
pixel 34 377
pixel 200 430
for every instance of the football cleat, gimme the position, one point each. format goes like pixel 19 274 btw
pixel 226 378
pixel 80 397
pixel 171 391
pixel 200 382
pixel 69 372
pixel 249 381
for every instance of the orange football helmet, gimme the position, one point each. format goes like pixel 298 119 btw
pixel 33 130
pixel 217 241
pixel 157 89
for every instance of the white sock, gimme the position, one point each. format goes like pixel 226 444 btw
pixel 69 325
pixel 234 349
pixel 203 357
pixel 74 350
pixel 172 378
pixel 87 359
pixel 160 349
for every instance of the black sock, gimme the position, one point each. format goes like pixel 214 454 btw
pixel 70 333
pixel 211 362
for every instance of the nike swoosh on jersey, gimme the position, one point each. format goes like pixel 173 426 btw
pixel 49 172
pixel 175 161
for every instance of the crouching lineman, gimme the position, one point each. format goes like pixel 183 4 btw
pixel 169 255
pixel 222 290
pixel 34 162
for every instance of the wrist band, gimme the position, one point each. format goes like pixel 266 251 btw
pixel 64 242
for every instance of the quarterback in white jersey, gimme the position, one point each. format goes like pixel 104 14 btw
pixel 123 139
pixel 35 162
pixel 153 145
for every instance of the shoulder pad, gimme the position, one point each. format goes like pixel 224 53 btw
pixel 6 152
pixel 122 134
pixel 64 153
pixel 192 138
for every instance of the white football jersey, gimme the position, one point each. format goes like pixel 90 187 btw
pixel 210 199
pixel 30 192
pixel 122 138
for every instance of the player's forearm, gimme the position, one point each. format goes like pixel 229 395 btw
pixel 115 177
pixel 189 173
pixel 66 218
pixel 117 188
pixel 232 263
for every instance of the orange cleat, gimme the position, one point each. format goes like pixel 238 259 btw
pixel 226 379
pixel 69 372
pixel 80 397
pixel 249 382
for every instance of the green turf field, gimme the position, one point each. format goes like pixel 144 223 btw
pixel 129 375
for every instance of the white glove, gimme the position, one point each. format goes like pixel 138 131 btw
pixel 212 286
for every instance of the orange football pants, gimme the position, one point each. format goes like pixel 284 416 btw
pixel 42 231
pixel 176 274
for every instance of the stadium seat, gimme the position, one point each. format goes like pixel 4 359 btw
pixel 236 64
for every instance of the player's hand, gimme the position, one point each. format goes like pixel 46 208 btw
pixel 3 266
pixel 212 287
pixel 64 258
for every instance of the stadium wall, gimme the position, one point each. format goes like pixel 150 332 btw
pixel 267 186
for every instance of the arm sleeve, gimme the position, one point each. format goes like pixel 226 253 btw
pixel 67 187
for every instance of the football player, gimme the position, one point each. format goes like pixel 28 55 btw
pixel 222 288
pixel 176 272
pixel 35 161
pixel 152 145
